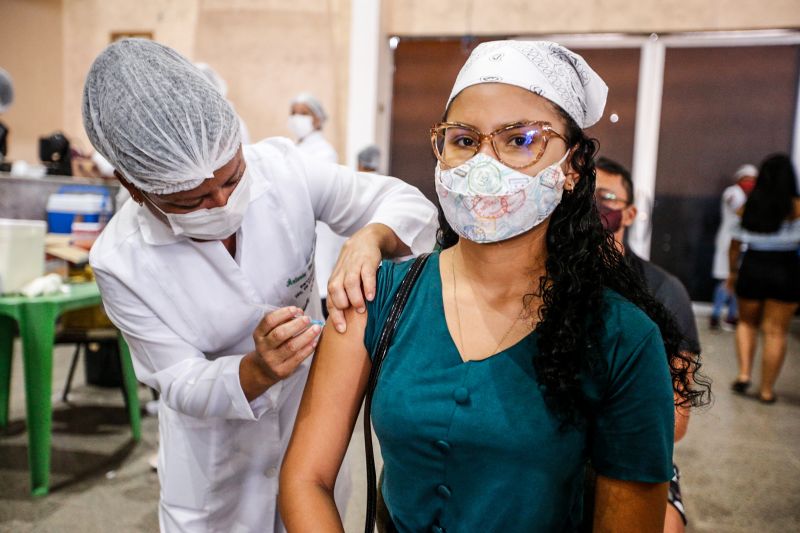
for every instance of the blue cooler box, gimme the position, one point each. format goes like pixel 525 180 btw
pixel 65 208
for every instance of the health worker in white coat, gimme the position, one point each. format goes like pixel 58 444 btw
pixel 733 198
pixel 306 118
pixel 208 273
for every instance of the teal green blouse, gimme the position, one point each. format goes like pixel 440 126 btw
pixel 472 447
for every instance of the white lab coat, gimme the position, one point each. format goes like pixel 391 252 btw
pixel 315 145
pixel 188 310
pixel 733 198
pixel 329 244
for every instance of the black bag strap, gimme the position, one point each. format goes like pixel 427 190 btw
pixel 385 338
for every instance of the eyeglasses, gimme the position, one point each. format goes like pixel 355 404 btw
pixel 609 198
pixel 518 145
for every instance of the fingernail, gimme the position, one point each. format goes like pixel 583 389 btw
pixel 340 328
pixel 370 296
pixel 315 328
pixel 307 319
pixel 362 310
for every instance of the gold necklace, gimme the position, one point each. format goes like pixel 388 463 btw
pixel 458 314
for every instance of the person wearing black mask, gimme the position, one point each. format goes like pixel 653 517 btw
pixel 615 202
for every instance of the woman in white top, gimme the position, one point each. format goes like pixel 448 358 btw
pixel 209 274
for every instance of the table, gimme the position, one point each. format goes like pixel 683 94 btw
pixel 37 321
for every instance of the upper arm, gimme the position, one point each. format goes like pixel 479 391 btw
pixel 629 506
pixel 347 201
pixel 342 198
pixel 330 405
pixel 681 420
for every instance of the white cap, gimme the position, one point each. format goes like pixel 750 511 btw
pixel 745 170
pixel 370 157
pixel 542 67
pixel 313 104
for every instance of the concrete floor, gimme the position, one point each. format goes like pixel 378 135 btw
pixel 740 460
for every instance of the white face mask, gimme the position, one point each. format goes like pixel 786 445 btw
pixel 213 224
pixel 485 201
pixel 300 125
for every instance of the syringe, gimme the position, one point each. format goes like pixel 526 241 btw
pixel 267 308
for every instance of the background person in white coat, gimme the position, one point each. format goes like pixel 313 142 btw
pixel 217 236
pixel 733 198
pixel 306 118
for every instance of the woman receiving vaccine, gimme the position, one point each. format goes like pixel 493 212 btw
pixel 527 347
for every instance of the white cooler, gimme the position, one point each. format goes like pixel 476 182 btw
pixel 21 253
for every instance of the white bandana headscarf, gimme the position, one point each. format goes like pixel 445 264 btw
pixel 542 67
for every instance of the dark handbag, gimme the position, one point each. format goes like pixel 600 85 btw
pixel 378 356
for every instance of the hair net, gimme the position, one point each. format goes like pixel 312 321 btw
pixel 313 104
pixel 6 90
pixel 213 77
pixel 542 67
pixel 745 170
pixel 156 118
pixel 370 157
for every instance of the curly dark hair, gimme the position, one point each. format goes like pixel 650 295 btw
pixel 771 202
pixel 583 260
